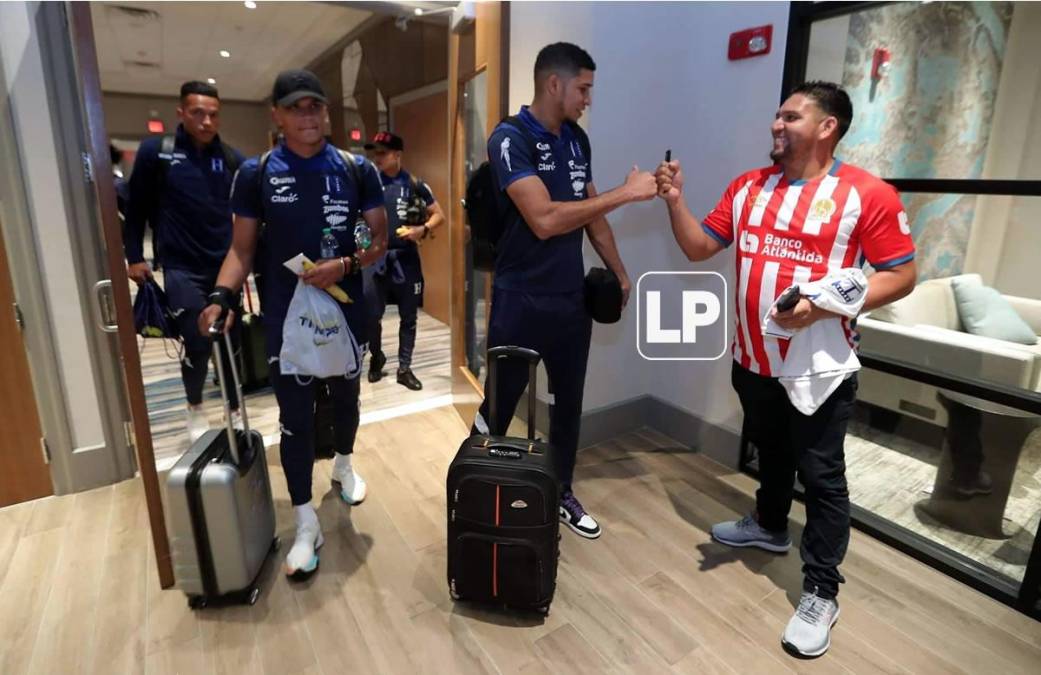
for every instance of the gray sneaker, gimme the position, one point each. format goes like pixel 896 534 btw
pixel 809 631
pixel 748 532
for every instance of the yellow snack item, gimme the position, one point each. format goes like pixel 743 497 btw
pixel 333 290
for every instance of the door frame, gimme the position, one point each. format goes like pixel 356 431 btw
pixel 489 40
pixel 81 32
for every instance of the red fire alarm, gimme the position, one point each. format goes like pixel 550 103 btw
pixel 155 127
pixel 751 42
pixel 355 134
pixel 880 63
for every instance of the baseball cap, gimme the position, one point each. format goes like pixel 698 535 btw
pixel 293 85
pixel 386 140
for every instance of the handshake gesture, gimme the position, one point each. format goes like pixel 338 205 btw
pixel 669 177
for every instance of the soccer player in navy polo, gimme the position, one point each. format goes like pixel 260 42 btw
pixel 306 187
pixel 412 209
pixel 183 195
pixel 545 170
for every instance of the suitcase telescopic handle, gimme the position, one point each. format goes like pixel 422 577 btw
pixel 512 352
pixel 216 330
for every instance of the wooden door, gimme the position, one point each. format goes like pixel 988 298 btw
pixel 482 48
pixel 423 123
pixel 24 473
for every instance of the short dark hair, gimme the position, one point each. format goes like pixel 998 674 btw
pixel 196 87
pixel 563 58
pixel 832 99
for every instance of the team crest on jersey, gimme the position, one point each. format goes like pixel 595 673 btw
pixel 822 209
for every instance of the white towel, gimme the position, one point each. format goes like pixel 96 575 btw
pixel 819 356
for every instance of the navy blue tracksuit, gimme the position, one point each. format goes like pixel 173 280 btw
pixel 184 197
pixel 538 299
pixel 399 278
pixel 297 198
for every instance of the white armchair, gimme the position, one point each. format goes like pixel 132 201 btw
pixel 924 329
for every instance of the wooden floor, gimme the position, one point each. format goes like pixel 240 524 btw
pixel 79 591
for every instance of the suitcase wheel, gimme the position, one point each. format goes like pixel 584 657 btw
pixel 455 596
pixel 276 544
pixel 196 601
pixel 544 610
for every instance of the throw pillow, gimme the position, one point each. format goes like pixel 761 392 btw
pixel 983 311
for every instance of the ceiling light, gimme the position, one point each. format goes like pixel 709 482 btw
pixel 418 11
pixel 225 53
pixel 211 80
pixel 250 4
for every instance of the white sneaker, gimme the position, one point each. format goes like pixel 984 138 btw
pixel 809 631
pixel 302 559
pixel 198 424
pixel 352 486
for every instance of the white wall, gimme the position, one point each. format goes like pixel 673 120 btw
pixel 1016 139
pixel 662 81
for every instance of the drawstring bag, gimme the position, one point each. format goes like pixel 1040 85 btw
pixel 316 340
pixel 152 315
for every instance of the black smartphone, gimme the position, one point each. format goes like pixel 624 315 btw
pixel 788 299
pixel 668 156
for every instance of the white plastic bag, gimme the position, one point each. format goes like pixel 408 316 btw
pixel 316 340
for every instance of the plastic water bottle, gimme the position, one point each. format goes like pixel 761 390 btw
pixel 330 245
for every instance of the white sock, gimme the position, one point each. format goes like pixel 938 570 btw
pixel 305 514
pixel 342 463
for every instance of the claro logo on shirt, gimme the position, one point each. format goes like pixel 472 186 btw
pixel 283 192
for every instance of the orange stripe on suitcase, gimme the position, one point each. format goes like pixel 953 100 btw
pixel 495 548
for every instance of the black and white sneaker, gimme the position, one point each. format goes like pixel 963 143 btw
pixel 574 516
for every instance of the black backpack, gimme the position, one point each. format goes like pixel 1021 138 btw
pixel 483 213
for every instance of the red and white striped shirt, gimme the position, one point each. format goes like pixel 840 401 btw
pixel 798 231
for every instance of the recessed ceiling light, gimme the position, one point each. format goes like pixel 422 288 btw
pixel 225 53
pixel 211 80
pixel 418 11
pixel 250 4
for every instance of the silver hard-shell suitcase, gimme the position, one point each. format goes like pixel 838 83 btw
pixel 221 517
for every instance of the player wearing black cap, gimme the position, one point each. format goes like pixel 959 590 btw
pixel 303 187
pixel 412 215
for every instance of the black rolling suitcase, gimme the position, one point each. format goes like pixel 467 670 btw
pixel 503 501
pixel 253 355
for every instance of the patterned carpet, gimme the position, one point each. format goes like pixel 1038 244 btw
pixel 893 477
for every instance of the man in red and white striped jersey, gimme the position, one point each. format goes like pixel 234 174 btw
pixel 795 221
